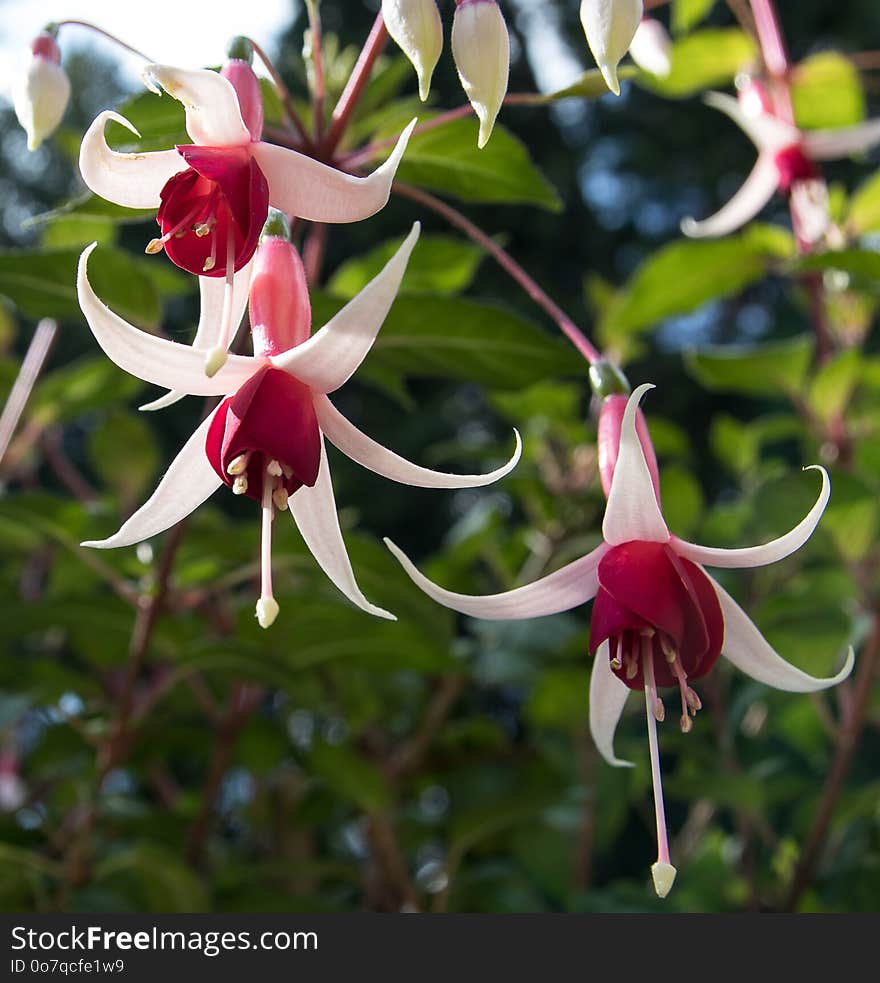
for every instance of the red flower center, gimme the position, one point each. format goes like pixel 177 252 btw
pixel 792 164
pixel 212 213
pixel 271 418
pixel 654 604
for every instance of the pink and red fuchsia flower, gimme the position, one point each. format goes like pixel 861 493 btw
pixel 213 195
pixel 266 438
pixel 786 162
pixel 658 618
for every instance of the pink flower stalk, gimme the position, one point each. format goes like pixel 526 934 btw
pixel 266 438
pixel 213 195
pixel 787 159
pixel 658 618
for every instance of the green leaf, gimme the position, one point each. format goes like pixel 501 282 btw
pixel 590 85
pixel 43 284
pixel 439 264
pixel 682 499
pixel 123 452
pixel 557 699
pixel 80 386
pixel 702 60
pixel 754 370
pixel 78 230
pixel 827 92
pixel 465 340
pixel 686 274
pixel 160 120
pixel 864 207
pixel 446 159
pixel 834 383
pixel 863 265
pixel 688 13
pixel 351 776
pixel 153 879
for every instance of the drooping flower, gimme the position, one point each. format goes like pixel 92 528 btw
pixel 651 47
pixel 213 195
pixel 266 438
pixel 417 28
pixel 41 95
pixel 481 48
pixel 658 618
pixel 787 159
pixel 610 26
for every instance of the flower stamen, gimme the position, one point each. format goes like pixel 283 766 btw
pixel 238 465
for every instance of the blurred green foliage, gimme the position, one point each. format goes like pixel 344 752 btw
pixel 341 762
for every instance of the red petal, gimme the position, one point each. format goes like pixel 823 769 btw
pixel 224 187
pixel 641 578
pixel 610 619
pixel 272 416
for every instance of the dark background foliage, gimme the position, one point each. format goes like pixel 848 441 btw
pixel 336 762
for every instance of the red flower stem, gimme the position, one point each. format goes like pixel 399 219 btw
pixel 847 741
pixel 25 380
pixel 506 262
pixel 317 66
pixel 355 86
pixel 283 93
pixel 110 37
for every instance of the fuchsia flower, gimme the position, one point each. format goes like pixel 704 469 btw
pixel 786 162
pixel 266 438
pixel 213 195
pixel 658 618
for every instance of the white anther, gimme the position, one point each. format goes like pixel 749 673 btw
pixel 154 246
pixel 274 468
pixel 238 465
pixel 240 485
pixel 280 498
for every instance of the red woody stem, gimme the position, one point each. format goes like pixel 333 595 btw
pixel 507 263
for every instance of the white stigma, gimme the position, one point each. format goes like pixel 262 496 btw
pixel 267 611
pixel 215 360
pixel 664 877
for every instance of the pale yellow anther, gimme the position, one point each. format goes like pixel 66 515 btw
pixel 209 264
pixel 659 710
pixel 280 498
pixel 693 701
pixel 238 465
pixel 686 724
pixel 154 246
pixel 240 485
pixel 274 468
pixel 631 669
pixel 202 229
pixel 616 663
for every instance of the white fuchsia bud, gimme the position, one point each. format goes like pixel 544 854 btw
pixel 610 26
pixel 416 27
pixel 481 49
pixel 41 97
pixel 651 47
